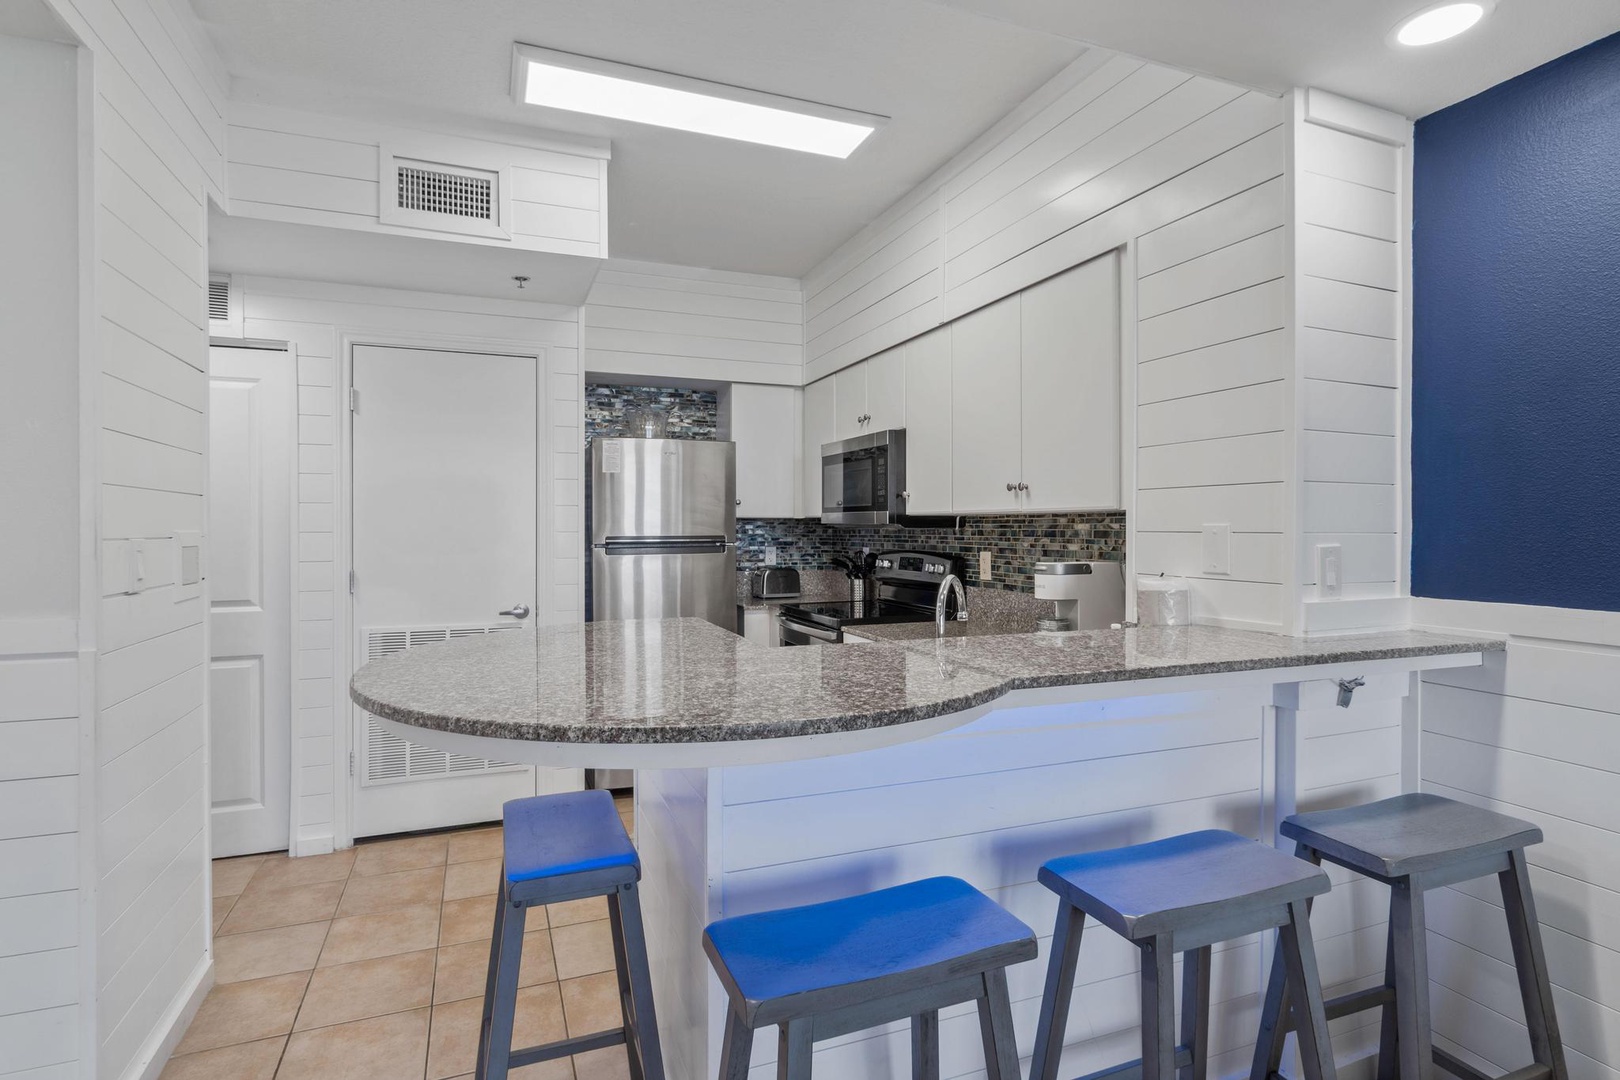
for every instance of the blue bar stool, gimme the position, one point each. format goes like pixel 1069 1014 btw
pixel 557 848
pixel 1181 895
pixel 1414 843
pixel 827 969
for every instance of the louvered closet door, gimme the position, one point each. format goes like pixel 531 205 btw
pixel 444 538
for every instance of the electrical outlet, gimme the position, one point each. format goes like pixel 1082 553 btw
pixel 984 566
pixel 1217 549
pixel 770 556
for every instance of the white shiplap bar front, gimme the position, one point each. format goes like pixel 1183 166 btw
pixel 1044 772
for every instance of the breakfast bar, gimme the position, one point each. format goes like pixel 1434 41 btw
pixel 775 777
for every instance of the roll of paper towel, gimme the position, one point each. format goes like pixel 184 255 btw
pixel 1163 601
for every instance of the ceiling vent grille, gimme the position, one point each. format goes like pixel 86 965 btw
pixel 438 192
pixel 421 193
pixel 389 759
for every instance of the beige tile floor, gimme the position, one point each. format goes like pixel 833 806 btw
pixel 369 963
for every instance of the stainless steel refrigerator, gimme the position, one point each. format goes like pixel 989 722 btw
pixel 664 530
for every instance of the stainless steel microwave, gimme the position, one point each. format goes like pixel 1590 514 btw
pixel 863 479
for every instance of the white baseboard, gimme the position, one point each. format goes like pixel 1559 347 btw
pixel 154 1053
pixel 1355 616
pixel 1578 625
pixel 324 844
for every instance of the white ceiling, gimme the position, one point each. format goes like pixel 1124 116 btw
pixel 944 70
pixel 1338 45
pixel 943 76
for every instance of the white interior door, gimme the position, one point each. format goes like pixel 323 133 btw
pixel 251 418
pixel 444 541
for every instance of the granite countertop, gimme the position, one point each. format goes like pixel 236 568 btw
pixel 687 681
pixel 978 624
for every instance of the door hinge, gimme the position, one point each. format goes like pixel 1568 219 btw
pixel 354 399
pixel 351 762
pixel 353 581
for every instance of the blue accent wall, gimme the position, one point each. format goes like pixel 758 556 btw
pixel 1516 346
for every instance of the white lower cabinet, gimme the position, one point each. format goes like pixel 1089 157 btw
pixel 759 626
pixel 986 444
pixel 819 403
pixel 928 422
pixel 764 423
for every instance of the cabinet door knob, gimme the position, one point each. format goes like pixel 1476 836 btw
pixel 739 502
pixel 1010 486
pixel 1022 486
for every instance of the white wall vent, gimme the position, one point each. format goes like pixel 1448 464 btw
pixel 224 306
pixel 385 758
pixel 458 197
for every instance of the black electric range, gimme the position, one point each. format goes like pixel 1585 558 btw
pixel 902 589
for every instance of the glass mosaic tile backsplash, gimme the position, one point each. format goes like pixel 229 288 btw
pixel 1016 541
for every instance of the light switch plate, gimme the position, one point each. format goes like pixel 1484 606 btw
pixel 770 556
pixel 1217 549
pixel 1329 571
pixel 984 566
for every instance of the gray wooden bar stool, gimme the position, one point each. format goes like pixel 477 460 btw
pixel 824 970
pixel 1181 895
pixel 1414 843
pixel 557 848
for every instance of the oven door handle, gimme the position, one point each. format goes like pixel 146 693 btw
pixel 829 636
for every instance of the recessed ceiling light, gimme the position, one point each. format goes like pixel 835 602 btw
pixel 1439 23
pixel 558 80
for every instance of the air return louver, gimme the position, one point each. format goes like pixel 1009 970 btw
pixel 219 299
pixel 387 758
pixel 439 192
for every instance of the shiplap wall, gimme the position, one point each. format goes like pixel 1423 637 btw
pixel 41 1013
pixel 990 802
pixel 654 320
pixel 316 318
pixel 1353 249
pixel 1535 733
pixel 302 167
pixel 159 137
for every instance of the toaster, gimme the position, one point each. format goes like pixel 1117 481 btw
pixel 775 582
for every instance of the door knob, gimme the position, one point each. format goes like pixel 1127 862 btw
pixel 1010 487
pixel 1022 486
pixel 516 611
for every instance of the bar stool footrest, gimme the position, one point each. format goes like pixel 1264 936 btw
pixel 1457 1067
pixel 1132 1070
pixel 1360 1001
pixel 579 1044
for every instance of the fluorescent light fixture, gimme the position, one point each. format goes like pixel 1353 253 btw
pixel 1439 23
pixel 583 84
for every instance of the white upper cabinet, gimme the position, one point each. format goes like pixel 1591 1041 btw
pixel 885 390
pixel 986 445
pixel 927 363
pixel 819 403
pixel 849 394
pixel 764 422
pixel 1070 388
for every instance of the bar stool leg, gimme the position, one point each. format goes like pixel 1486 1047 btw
pixel 1413 1046
pixel 737 1049
pixel 1060 968
pixel 1274 1016
pixel 1195 1012
pixel 996 1028
pixel 627 1007
pixel 489 977
pixel 1299 949
pixel 793 1049
pixel 1389 1033
pixel 1524 929
pixel 1158 1010
pixel 635 947
pixel 501 1005
pixel 925 1045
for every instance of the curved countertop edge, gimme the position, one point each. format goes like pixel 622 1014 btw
pixel 633 734
pixel 632 742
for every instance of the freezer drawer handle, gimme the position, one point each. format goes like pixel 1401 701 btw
pixel 516 611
